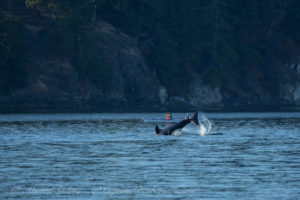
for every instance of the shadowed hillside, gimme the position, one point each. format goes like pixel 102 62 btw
pixel 149 55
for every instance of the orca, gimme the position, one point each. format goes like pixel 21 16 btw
pixel 169 130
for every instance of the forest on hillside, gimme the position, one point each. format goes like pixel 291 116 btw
pixel 231 44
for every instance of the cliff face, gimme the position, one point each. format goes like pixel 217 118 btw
pixel 55 82
pixel 290 91
pixel 134 84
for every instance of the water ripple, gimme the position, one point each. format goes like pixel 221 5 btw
pixel 118 156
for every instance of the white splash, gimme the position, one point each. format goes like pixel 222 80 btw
pixel 204 126
pixel 177 132
pixel 202 129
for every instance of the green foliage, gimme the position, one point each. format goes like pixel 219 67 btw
pixel 12 54
pixel 59 37
pixel 291 20
pixel 36 5
pixel 68 20
pixel 216 40
pixel 166 62
pixel 90 65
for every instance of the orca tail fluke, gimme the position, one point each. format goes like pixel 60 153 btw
pixel 157 130
pixel 195 118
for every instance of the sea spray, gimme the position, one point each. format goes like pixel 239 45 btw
pixel 202 129
pixel 205 126
pixel 177 132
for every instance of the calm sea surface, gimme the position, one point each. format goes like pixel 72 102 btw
pixel 118 156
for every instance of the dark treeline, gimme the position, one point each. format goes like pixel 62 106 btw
pixel 231 44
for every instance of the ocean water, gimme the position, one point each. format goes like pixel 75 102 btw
pixel 118 156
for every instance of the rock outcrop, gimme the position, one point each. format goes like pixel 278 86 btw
pixel 291 93
pixel 203 95
pixel 54 83
pixel 198 96
pixel 134 83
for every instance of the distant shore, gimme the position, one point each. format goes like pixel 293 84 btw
pixel 151 110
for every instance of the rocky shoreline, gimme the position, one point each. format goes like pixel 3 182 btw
pixel 146 109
